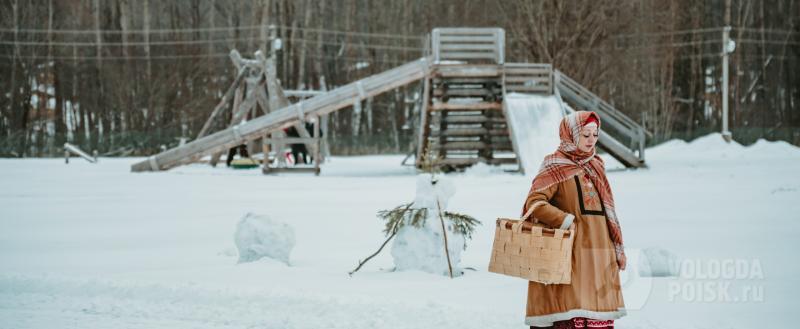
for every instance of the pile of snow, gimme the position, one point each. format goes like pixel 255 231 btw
pixel 773 148
pixel 714 147
pixel 423 248
pixel 658 262
pixel 534 121
pixel 258 236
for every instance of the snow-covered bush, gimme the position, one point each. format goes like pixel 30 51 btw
pixel 259 236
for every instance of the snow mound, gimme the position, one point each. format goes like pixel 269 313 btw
pixel 714 147
pixel 763 146
pixel 657 262
pixel 423 248
pixel 258 236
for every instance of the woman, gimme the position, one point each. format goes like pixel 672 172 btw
pixel 571 187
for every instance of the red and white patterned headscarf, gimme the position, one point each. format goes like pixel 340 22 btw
pixel 568 161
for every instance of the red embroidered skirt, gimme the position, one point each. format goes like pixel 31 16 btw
pixel 580 323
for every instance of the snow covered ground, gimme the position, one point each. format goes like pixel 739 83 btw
pixel 95 246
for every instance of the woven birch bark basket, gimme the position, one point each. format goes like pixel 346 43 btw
pixel 532 251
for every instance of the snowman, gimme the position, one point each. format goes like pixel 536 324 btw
pixel 422 248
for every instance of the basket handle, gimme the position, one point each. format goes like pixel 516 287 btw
pixel 529 213
pixel 517 227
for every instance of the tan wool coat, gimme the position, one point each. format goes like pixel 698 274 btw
pixel 594 291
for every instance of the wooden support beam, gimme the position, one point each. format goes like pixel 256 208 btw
pixel 224 101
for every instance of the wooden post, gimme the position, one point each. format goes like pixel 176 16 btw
pixel 316 143
pixel 424 125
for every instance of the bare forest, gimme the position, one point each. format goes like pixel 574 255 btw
pixel 129 77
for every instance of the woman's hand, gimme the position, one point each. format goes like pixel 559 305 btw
pixel 622 261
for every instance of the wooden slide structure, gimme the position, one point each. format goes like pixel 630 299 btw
pixel 462 117
pixel 284 117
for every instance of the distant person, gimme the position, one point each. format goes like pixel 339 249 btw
pixel 300 151
pixel 242 150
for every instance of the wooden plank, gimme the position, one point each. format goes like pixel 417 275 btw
pixel 472 132
pixel 435 42
pixel 296 170
pixel 535 89
pixel 452 119
pixel 476 160
pixel 449 38
pixel 470 71
pixel 322 104
pixel 464 92
pixel 525 69
pixel 539 80
pixel 77 151
pixel 501 47
pixel 473 146
pixel 465 55
pixel 540 74
pixel 302 93
pixel 527 65
pixel 464 30
pixel 494 80
pixel 466 47
pixel 478 106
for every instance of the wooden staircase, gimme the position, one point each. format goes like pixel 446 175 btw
pixel 464 117
pixel 462 121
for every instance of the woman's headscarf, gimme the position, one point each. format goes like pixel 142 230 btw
pixel 568 161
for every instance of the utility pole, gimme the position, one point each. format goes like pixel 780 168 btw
pixel 726 133
pixel 726 32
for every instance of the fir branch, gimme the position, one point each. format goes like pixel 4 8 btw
pixel 463 224
pixel 394 218
pixel 418 217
